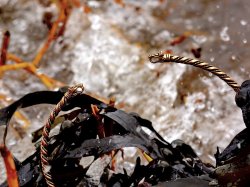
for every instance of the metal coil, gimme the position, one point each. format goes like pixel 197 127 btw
pixel 72 92
pixel 161 58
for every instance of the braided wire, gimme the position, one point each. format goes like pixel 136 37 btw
pixel 72 92
pixel 160 58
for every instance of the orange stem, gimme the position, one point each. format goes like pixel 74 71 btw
pixel 52 35
pixel 12 178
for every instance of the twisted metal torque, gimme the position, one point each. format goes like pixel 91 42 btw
pixel 72 92
pixel 160 58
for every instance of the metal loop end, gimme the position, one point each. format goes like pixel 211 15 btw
pixel 160 57
pixel 77 89
pixel 156 58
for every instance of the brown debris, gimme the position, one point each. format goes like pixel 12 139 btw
pixel 5 44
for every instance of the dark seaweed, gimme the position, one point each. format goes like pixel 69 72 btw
pixel 172 164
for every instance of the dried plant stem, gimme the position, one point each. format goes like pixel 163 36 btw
pixel 47 81
pixel 5 45
pixel 57 29
pixel 9 163
pixel 54 33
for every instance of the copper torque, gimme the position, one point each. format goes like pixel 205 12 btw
pixel 162 58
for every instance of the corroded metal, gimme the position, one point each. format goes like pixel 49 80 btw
pixel 72 92
pixel 161 58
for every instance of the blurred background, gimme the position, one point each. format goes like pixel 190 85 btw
pixel 105 45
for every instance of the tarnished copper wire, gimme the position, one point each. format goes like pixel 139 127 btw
pixel 72 92
pixel 161 58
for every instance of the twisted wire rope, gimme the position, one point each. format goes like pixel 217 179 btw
pixel 72 92
pixel 161 58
